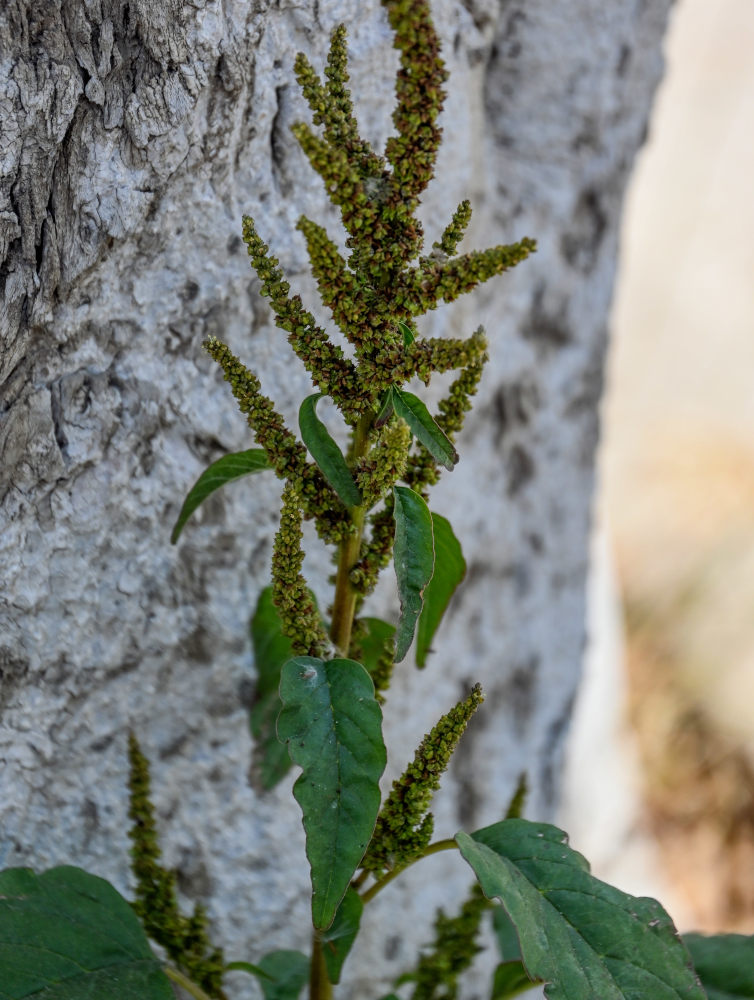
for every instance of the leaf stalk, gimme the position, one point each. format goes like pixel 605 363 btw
pixel 185 983
pixel 439 845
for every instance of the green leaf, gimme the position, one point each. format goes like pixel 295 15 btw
pixel 408 334
pixel 424 428
pixel 385 411
pixel 333 726
pixel 450 569
pixel 338 940
pixel 372 645
pixel 66 934
pixel 584 938
pixel 253 970
pixel 414 558
pixel 326 453
pixel 225 469
pixel 270 758
pixel 724 963
pixel 506 936
pixel 284 974
pixel 510 980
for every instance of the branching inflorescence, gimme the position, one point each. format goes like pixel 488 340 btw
pixel 374 295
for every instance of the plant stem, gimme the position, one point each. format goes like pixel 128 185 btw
pixel 320 987
pixel 344 602
pixel 343 609
pixel 185 983
pixel 360 879
pixel 439 845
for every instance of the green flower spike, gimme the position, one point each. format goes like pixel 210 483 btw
pixel 404 825
pixel 299 618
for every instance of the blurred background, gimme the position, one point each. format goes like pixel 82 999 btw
pixel 668 809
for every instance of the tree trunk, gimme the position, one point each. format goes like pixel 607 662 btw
pixel 134 135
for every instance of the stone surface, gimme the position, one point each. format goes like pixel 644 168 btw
pixel 134 136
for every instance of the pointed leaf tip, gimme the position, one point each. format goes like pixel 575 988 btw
pixel 423 426
pixel 224 470
pixel 326 452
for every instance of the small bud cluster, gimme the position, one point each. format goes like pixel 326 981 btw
pixel 404 825
pixel 454 231
pixel 299 618
pixel 386 462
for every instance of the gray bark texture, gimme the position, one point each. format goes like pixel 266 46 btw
pixel 133 137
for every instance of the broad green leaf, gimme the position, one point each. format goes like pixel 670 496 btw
pixel 510 980
pixel 284 974
pixel 424 428
pixel 270 758
pixel 66 935
pixel 225 469
pixel 407 333
pixel 372 645
pixel 333 726
pixel 337 941
pixel 450 569
pixel 724 963
pixel 414 558
pixel 326 453
pixel 584 938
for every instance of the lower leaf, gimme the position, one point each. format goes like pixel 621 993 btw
pixel 284 974
pixel 724 963
pixel 66 934
pixel 338 940
pixel 510 980
pixel 585 939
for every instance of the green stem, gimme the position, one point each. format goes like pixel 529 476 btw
pixel 439 845
pixel 185 983
pixel 343 610
pixel 360 879
pixel 320 987
pixel 344 602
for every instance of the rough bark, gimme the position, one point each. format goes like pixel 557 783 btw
pixel 133 137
